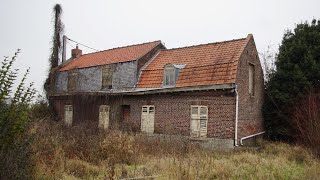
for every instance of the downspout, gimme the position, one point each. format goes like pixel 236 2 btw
pixel 236 120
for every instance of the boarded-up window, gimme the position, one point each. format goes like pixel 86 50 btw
pixel 169 76
pixel 104 116
pixel 72 80
pixel 147 119
pixel 68 115
pixel 251 79
pixel 107 77
pixel 199 121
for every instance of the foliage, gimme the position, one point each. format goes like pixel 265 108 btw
pixel 56 44
pixel 40 109
pixel 306 121
pixel 13 122
pixel 79 152
pixel 297 69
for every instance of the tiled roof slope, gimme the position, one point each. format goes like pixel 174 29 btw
pixel 121 54
pixel 207 64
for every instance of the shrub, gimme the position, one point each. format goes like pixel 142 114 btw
pixel 40 109
pixel 15 152
pixel 306 120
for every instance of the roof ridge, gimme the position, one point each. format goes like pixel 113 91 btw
pixel 219 42
pixel 189 67
pixel 120 47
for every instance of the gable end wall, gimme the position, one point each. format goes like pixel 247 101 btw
pixel 250 119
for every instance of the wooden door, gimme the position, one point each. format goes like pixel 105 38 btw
pixel 147 119
pixel 68 114
pixel 104 112
pixel 126 113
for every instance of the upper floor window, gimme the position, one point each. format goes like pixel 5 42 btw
pixel 169 75
pixel 251 79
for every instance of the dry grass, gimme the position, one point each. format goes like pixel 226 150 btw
pixel 82 152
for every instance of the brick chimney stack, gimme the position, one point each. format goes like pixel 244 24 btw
pixel 76 52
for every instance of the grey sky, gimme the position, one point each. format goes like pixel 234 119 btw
pixel 104 24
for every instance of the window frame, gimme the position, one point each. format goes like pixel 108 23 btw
pixel 198 118
pixel 251 75
pixel 68 114
pixel 169 78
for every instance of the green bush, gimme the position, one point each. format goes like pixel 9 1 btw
pixel 15 142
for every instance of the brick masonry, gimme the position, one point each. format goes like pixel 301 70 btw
pixel 172 110
pixel 250 107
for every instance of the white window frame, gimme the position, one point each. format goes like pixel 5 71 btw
pixel 199 121
pixel 169 78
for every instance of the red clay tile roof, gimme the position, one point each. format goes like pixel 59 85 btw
pixel 207 64
pixel 121 54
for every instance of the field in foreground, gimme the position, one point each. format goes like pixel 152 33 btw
pixel 82 152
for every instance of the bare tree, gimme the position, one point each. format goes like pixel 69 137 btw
pixel 268 58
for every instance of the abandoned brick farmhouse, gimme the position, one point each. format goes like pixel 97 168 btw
pixel 204 91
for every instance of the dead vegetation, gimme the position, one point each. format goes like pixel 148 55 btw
pixel 82 152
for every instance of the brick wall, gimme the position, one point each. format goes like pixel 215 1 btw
pixel 172 112
pixel 250 106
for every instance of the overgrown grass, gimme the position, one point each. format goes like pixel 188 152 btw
pixel 82 152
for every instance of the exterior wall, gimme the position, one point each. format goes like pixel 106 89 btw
pixel 107 71
pixel 85 107
pixel 89 79
pixel 124 75
pixel 61 82
pixel 250 106
pixel 172 112
pixel 73 80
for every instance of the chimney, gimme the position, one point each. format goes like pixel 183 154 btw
pixel 76 52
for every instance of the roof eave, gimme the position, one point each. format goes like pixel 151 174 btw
pixel 145 91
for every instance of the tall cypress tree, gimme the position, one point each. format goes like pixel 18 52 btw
pixel 298 69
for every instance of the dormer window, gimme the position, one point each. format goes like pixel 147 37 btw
pixel 169 75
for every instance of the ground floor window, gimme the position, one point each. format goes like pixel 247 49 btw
pixel 199 121
pixel 68 114
pixel 147 119
pixel 104 116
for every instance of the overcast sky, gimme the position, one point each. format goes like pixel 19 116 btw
pixel 104 24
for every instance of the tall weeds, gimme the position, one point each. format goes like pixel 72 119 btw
pixel 84 152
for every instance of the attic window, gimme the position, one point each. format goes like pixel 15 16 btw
pixel 251 79
pixel 169 75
